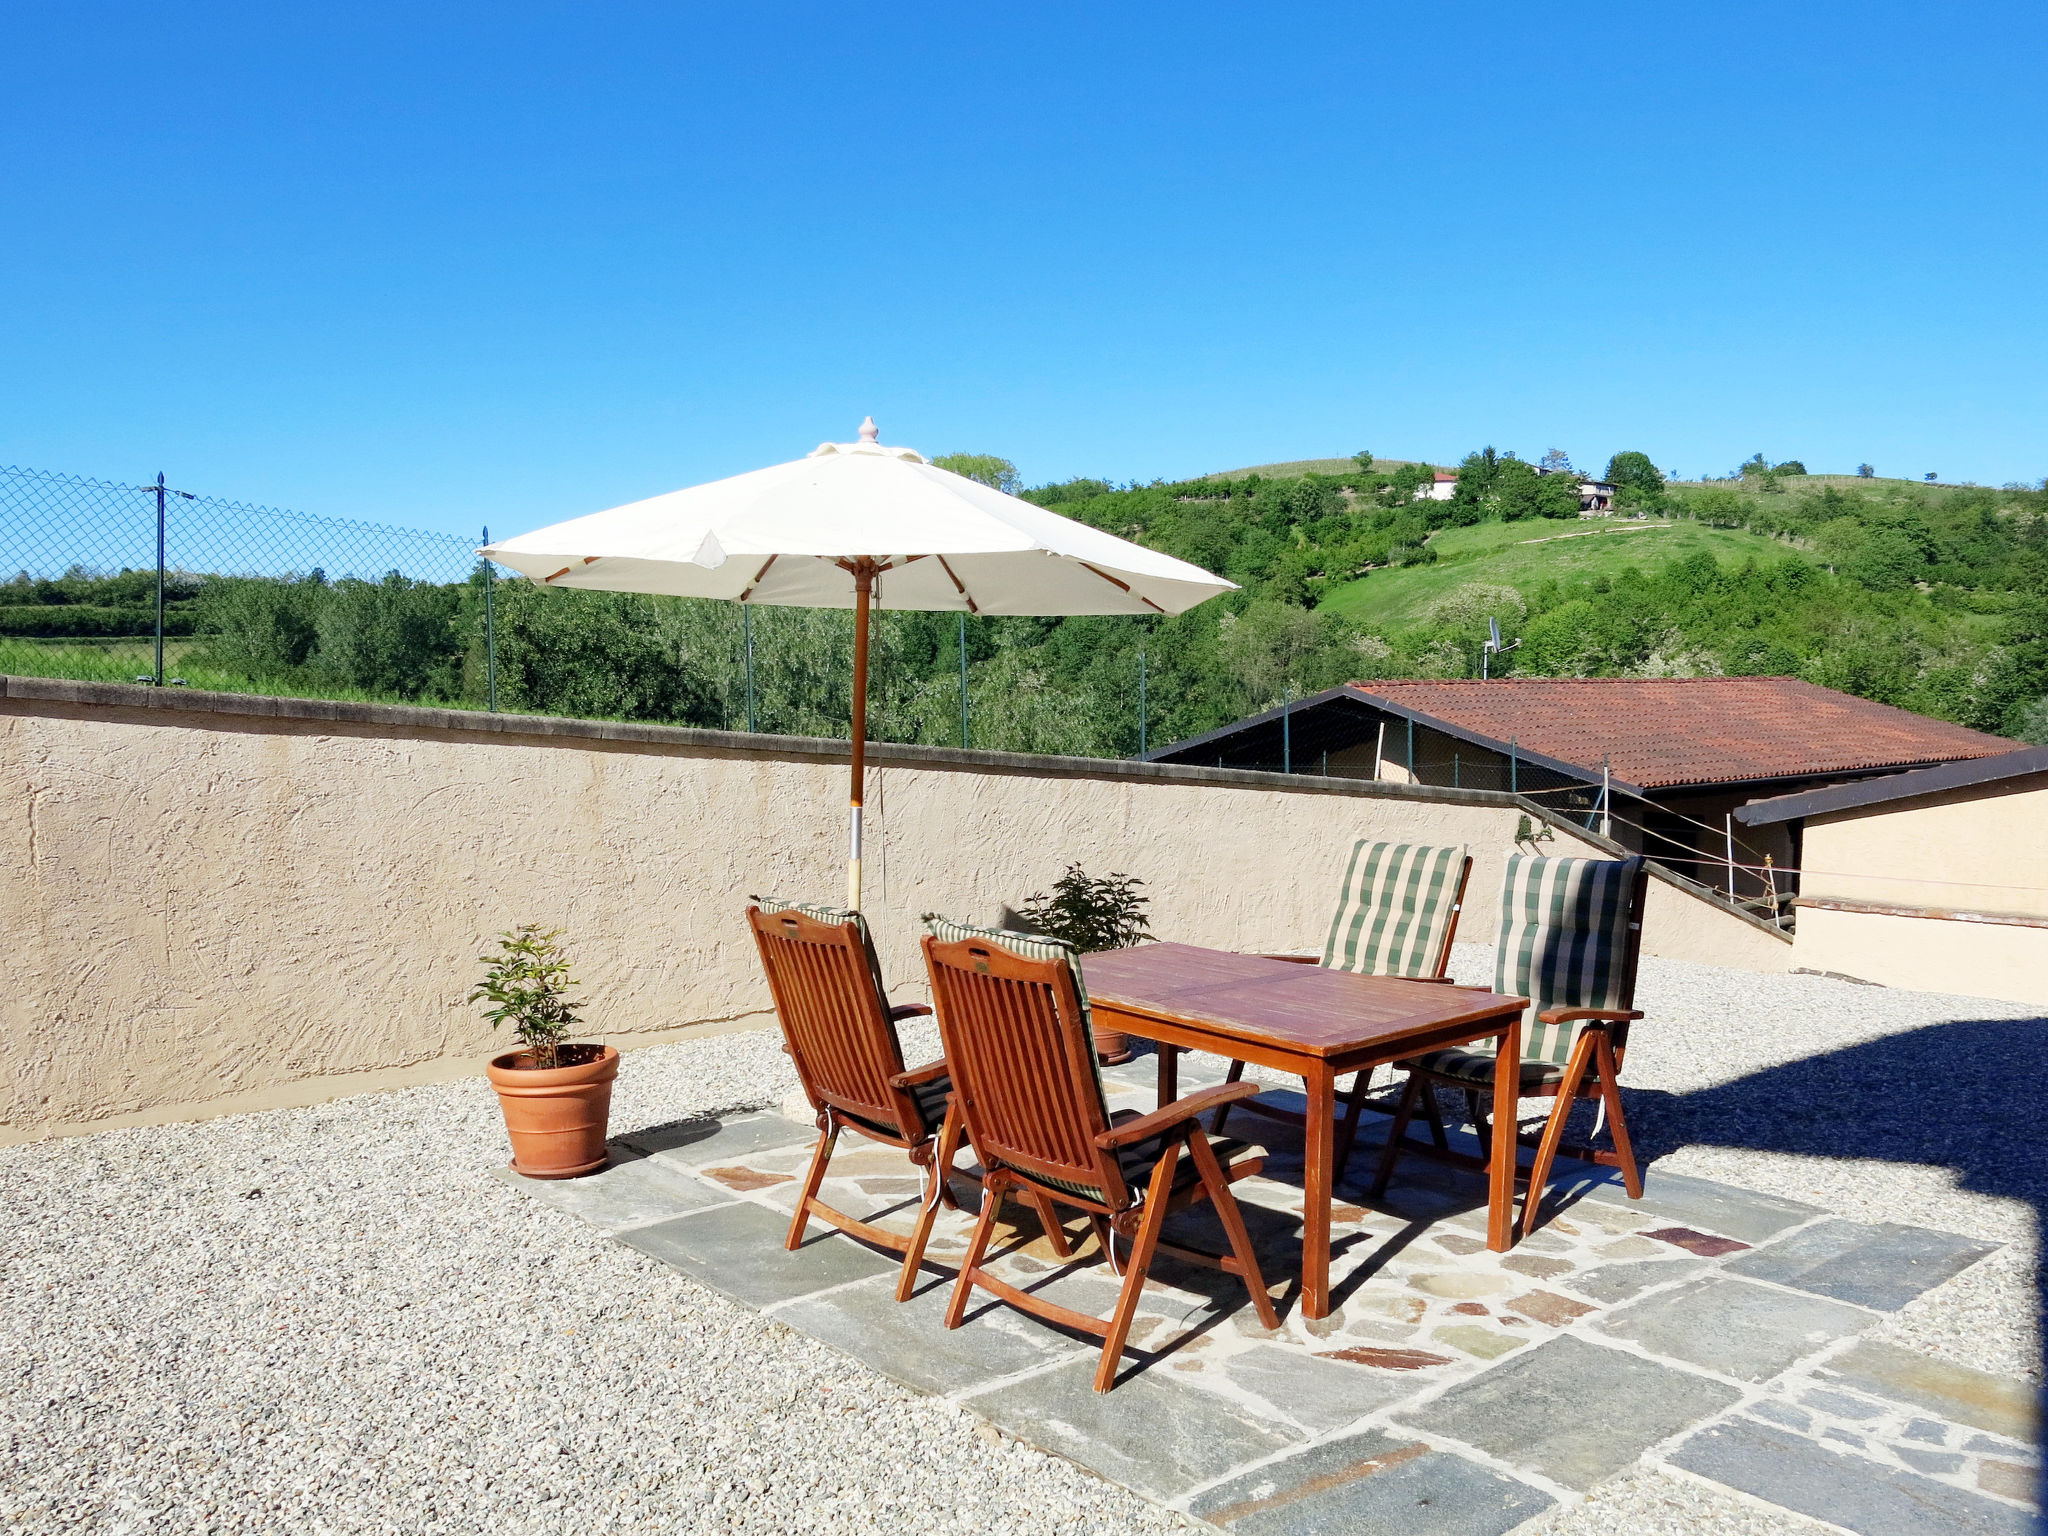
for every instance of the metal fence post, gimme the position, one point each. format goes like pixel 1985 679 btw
pixel 963 678
pixel 1141 701
pixel 159 578
pixel 747 634
pixel 1287 731
pixel 490 632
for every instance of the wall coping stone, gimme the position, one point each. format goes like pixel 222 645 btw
pixel 409 718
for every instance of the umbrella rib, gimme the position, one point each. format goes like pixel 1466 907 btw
pixel 748 590
pixel 565 570
pixel 1141 597
pixel 958 585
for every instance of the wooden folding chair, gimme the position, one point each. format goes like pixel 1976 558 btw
pixel 1013 1016
pixel 841 1033
pixel 1396 916
pixel 1570 937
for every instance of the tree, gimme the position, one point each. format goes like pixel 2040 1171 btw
pixel 1363 459
pixel 1476 472
pixel 1630 470
pixel 1865 471
pixel 984 467
pixel 1556 462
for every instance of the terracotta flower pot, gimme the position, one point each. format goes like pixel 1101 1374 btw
pixel 557 1118
pixel 1112 1047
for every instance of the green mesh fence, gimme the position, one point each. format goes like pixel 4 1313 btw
pixel 113 582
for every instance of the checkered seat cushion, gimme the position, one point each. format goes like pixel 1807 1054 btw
pixel 1563 943
pixel 1398 902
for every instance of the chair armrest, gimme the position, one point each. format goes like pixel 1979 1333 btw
pixel 930 1072
pixel 909 1011
pixel 1296 959
pixel 1435 981
pixel 1179 1112
pixel 1602 1015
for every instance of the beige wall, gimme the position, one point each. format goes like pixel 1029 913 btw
pixel 216 900
pixel 1979 852
pixel 2001 960
pixel 1983 848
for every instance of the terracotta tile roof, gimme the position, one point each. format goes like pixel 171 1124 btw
pixel 1660 732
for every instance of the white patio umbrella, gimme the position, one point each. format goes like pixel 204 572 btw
pixel 858 525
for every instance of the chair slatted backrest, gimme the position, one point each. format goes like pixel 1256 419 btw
pixel 1020 1048
pixel 828 995
pixel 1398 910
pixel 1570 934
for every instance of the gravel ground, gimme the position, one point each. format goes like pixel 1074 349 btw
pixel 334 1319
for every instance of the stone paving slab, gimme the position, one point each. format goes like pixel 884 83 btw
pixel 1879 1265
pixel 737 1250
pixel 910 1343
pixel 1316 1393
pixel 694 1143
pixel 1152 1434
pixel 1747 1331
pixel 1618 1327
pixel 1846 1490
pixel 1372 1482
pixel 1745 1214
pixel 1997 1404
pixel 630 1193
pixel 1572 1411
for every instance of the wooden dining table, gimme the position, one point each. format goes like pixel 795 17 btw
pixel 1316 1024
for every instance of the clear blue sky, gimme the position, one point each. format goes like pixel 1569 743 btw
pixel 446 264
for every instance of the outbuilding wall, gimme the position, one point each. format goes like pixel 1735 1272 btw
pixel 1945 892
pixel 219 902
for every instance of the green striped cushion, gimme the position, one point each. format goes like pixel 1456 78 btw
pixel 839 918
pixel 1032 947
pixel 1564 932
pixel 1397 903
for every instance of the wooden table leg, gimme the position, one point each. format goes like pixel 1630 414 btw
pixel 1169 1073
pixel 1318 1184
pixel 1507 1094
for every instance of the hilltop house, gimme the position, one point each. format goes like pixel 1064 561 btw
pixel 1662 765
pixel 1596 497
pixel 1440 489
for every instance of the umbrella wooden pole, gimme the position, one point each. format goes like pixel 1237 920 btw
pixel 863 588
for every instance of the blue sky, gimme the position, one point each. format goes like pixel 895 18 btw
pixel 444 265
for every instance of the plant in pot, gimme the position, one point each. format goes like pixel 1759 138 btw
pixel 1093 915
pixel 556 1095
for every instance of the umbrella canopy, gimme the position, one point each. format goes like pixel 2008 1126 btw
pixel 790 534
pixel 858 525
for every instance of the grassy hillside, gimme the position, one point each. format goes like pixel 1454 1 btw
pixel 1293 468
pixel 1525 555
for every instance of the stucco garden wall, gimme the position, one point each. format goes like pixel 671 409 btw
pixel 217 902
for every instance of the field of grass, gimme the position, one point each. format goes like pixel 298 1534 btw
pixel 134 660
pixel 1524 554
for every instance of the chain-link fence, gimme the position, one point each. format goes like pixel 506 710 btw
pixel 152 583
pixel 155 583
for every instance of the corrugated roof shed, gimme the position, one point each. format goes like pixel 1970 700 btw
pixel 1664 732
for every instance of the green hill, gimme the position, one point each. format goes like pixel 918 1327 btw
pixel 1524 555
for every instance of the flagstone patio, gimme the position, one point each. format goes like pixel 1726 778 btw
pixel 1707 1330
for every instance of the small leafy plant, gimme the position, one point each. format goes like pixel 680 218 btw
pixel 528 980
pixel 1091 914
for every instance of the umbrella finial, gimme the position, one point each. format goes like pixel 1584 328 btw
pixel 869 432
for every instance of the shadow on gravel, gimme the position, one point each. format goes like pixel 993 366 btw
pixel 1965 1095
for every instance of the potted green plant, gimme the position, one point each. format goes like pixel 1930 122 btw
pixel 1093 915
pixel 556 1094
